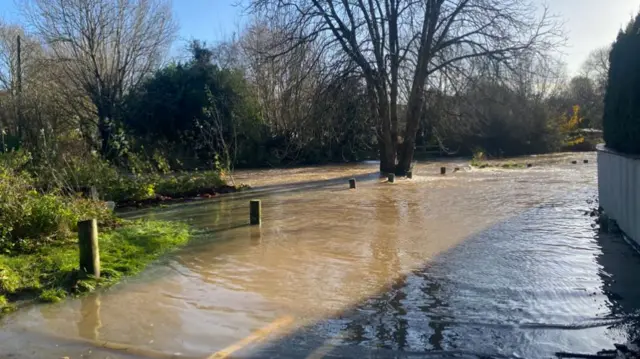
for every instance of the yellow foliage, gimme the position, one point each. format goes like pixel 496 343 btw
pixel 570 124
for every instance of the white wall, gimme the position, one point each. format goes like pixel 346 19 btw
pixel 619 189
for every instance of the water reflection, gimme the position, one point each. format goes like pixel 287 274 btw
pixel 495 262
pixel 90 322
pixel 620 284
pixel 537 293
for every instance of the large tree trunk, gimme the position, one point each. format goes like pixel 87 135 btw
pixel 386 142
pixel 414 112
pixel 387 157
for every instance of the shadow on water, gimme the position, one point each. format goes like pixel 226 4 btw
pixel 474 264
pixel 514 290
pixel 621 284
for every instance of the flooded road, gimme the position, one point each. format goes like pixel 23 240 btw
pixel 478 263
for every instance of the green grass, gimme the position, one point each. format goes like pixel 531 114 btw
pixel 506 165
pixel 51 274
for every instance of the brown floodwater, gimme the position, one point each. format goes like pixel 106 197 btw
pixel 481 262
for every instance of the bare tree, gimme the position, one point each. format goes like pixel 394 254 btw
pixel 103 47
pixel 395 40
pixel 596 67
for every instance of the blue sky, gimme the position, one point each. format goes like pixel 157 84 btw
pixel 589 23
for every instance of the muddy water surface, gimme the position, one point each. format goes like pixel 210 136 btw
pixel 494 262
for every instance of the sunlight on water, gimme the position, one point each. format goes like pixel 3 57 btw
pixel 491 260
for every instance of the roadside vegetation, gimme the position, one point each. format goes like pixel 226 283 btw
pixel 49 272
pixel 38 240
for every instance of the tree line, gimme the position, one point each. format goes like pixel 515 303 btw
pixel 304 82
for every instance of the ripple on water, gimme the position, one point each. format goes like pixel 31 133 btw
pixel 495 262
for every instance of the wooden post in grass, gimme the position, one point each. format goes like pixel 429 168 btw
pixel 88 244
pixel 410 174
pixel 574 162
pixel 443 170
pixel 391 177
pixel 352 183
pixel 255 212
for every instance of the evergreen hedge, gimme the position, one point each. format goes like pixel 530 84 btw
pixel 621 121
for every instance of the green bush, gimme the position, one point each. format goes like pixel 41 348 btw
pixel 185 184
pixel 146 180
pixel 29 217
pixel 621 121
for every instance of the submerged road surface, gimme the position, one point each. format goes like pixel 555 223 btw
pixel 477 263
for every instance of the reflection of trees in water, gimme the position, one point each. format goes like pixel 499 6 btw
pixel 432 290
pixel 386 319
pixel 620 277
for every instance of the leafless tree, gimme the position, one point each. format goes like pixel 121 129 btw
pixel 103 48
pixel 395 40
pixel 596 67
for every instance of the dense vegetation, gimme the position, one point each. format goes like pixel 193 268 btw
pixel 621 120
pixel 38 242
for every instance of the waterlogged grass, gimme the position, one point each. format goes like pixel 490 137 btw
pixel 51 273
pixel 505 165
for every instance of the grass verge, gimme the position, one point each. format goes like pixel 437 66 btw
pixel 505 165
pixel 51 273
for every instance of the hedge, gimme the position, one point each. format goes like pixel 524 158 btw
pixel 621 121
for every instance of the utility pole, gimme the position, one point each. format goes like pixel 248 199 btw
pixel 19 68
pixel 19 86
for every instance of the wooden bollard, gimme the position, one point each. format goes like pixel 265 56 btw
pixel 352 183
pixel 391 177
pixel 585 161
pixel 443 170
pixel 574 162
pixel 409 174
pixel 255 212
pixel 88 245
pixel 529 165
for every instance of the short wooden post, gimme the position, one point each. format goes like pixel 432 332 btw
pixel 574 162
pixel 255 212
pixel 585 161
pixel 88 244
pixel 443 170
pixel 529 165
pixel 352 183
pixel 409 174
pixel 391 177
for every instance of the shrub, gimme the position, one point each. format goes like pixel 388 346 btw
pixel 9 280
pixel 621 121
pixel 186 184
pixel 29 217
